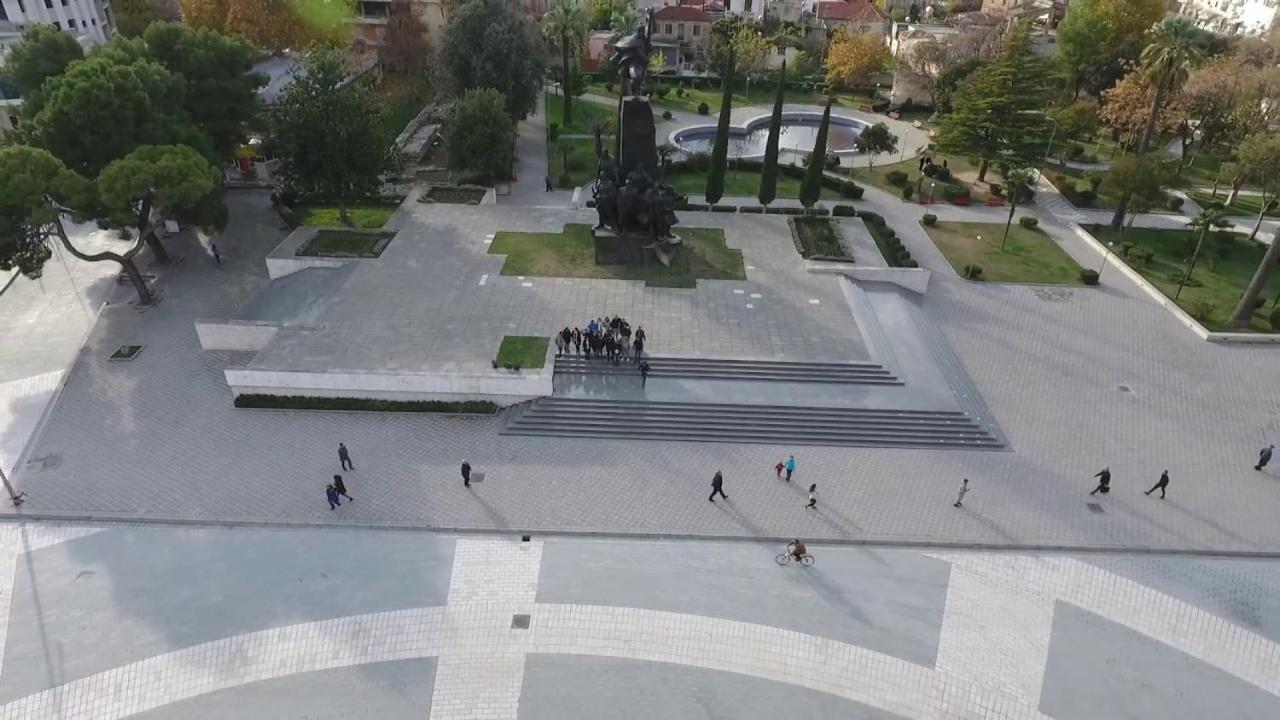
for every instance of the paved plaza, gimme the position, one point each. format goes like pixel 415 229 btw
pixel 156 622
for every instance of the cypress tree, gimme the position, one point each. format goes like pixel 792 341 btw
pixel 769 174
pixel 811 189
pixel 720 151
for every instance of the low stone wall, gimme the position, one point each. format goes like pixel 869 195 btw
pixel 243 335
pixel 501 387
pixel 278 267
pixel 914 279
pixel 1164 301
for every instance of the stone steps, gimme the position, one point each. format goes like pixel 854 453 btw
pixel 728 369
pixel 582 417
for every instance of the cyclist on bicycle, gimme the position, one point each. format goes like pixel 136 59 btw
pixel 796 548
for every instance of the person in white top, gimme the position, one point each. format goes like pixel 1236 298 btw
pixel 964 490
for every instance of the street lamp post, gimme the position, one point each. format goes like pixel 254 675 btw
pixel 1105 256
pixel 1047 148
pixel 14 497
pixel 932 185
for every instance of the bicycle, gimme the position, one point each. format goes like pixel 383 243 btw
pixel 783 558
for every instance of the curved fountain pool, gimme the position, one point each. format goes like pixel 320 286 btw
pixel 799 130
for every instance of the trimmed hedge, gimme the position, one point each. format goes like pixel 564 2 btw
pixel 696 207
pixel 1275 319
pixel 1089 276
pixel 1173 202
pixel 753 209
pixel 298 402
pixel 896 177
pixel 1029 222
pixel 844 211
pixel 704 109
pixel 929 220
pixel 724 208
pixel 784 210
pixel 818 212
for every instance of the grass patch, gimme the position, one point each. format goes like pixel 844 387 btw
pixel 584 111
pixel 1066 179
pixel 879 177
pixel 522 351
pixel 454 194
pixel 744 182
pixel 362 216
pixel 1031 256
pixel 345 243
pixel 703 256
pixel 817 237
pixel 1244 205
pixel 298 402
pixel 1227 263
pixel 576 158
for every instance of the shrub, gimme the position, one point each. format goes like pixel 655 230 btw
pixel 608 87
pixel 662 92
pixel 909 263
pixel 1145 255
pixel 972 271
pixel 565 180
pixel 1085 197
pixel 1029 222
pixel 680 91
pixel 870 217
pixel 954 192
pixel 907 190
pixel 698 162
pixel 880 105
pixel 1073 151
pixel 1202 309
pixel 896 177
pixel 850 190
pixel 943 174
pixel 784 211
pixel 904 257
pixel 890 233
pixel 1176 277
pixel 704 109
pixel 696 207
pixel 724 208
pixel 929 219
pixel 1095 180
pixel 1173 202
pixel 818 212
pixel 754 209
pixel 554 131
pixel 298 402
pixel 1274 319
pixel 844 210
pixel 997 189
pixel 666 114
pixel 1089 276
pixel 1258 303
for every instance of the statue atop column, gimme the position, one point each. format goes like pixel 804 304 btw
pixel 631 56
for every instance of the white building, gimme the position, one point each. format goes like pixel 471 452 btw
pixel 1233 17
pixel 91 21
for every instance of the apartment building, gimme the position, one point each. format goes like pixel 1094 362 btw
pixel 90 21
pixel 1233 17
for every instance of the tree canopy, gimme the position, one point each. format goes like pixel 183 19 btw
pixel 565 24
pixel 853 57
pixel 481 134
pixel 272 25
pixel 405 47
pixel 876 139
pixel 42 53
pixel 486 45
pixel 328 133
pixel 998 114
pixel 737 44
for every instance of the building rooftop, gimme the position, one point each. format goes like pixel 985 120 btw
pixel 860 11
pixel 682 13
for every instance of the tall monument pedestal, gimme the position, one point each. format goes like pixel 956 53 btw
pixel 636 133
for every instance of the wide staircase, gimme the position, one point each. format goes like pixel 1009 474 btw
pixel 608 417
pixel 724 369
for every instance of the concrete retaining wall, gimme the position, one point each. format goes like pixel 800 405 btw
pixel 1119 265
pixel 914 279
pixel 500 387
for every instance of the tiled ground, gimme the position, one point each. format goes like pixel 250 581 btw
pixel 361 624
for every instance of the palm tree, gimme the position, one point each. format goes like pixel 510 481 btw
pixel 1248 301
pixel 566 24
pixel 622 20
pixel 1210 217
pixel 1166 63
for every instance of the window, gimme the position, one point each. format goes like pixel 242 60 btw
pixel 695 30
pixel 782 51
pixel 57 24
pixel 64 3
pixel 668 32
pixel 22 8
pixel 746 5
pixel 71 23
pixel 48 4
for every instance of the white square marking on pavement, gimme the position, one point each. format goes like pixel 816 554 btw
pixel 526 284
pixel 739 292
pixel 490 236
pixel 756 295
pixel 814 301
pixel 484 279
pixel 520 278
pixel 751 267
pixel 750 306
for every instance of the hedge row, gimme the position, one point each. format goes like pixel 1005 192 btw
pixel 701 162
pixel 298 402
pixel 887 240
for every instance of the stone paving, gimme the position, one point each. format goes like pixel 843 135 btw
pixel 1078 378
pixel 378 624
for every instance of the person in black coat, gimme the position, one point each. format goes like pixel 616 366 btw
pixel 341 487
pixel 717 487
pixel 1161 484
pixel 1104 482
pixel 466 473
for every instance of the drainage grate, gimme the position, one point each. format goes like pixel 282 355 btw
pixel 126 352
pixel 1095 507
pixel 519 622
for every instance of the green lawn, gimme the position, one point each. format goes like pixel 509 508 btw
pixel 362 216
pixel 744 183
pixel 1072 176
pixel 1220 287
pixel 522 351
pixel 878 177
pixel 583 112
pixel 1030 256
pixel 571 253
pixel 1244 205
pixel 580 162
pixel 762 93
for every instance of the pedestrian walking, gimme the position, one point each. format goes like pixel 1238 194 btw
pixel 637 347
pixel 1264 457
pixel 1104 482
pixel 332 495
pixel 577 341
pixel 1160 485
pixel 813 497
pixel 777 469
pixel 964 490
pixel 559 345
pixel 466 474
pixel 344 457
pixel 341 488
pixel 548 179
pixel 790 466
pixel 644 373
pixel 717 487
pixel 217 256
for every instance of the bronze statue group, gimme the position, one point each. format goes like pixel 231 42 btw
pixel 635 204
pixel 605 338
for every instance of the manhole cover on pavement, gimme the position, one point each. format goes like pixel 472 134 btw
pixel 1095 507
pixel 519 622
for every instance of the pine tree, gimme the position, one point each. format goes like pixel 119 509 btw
pixel 811 190
pixel 998 114
pixel 720 151
pixel 769 173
